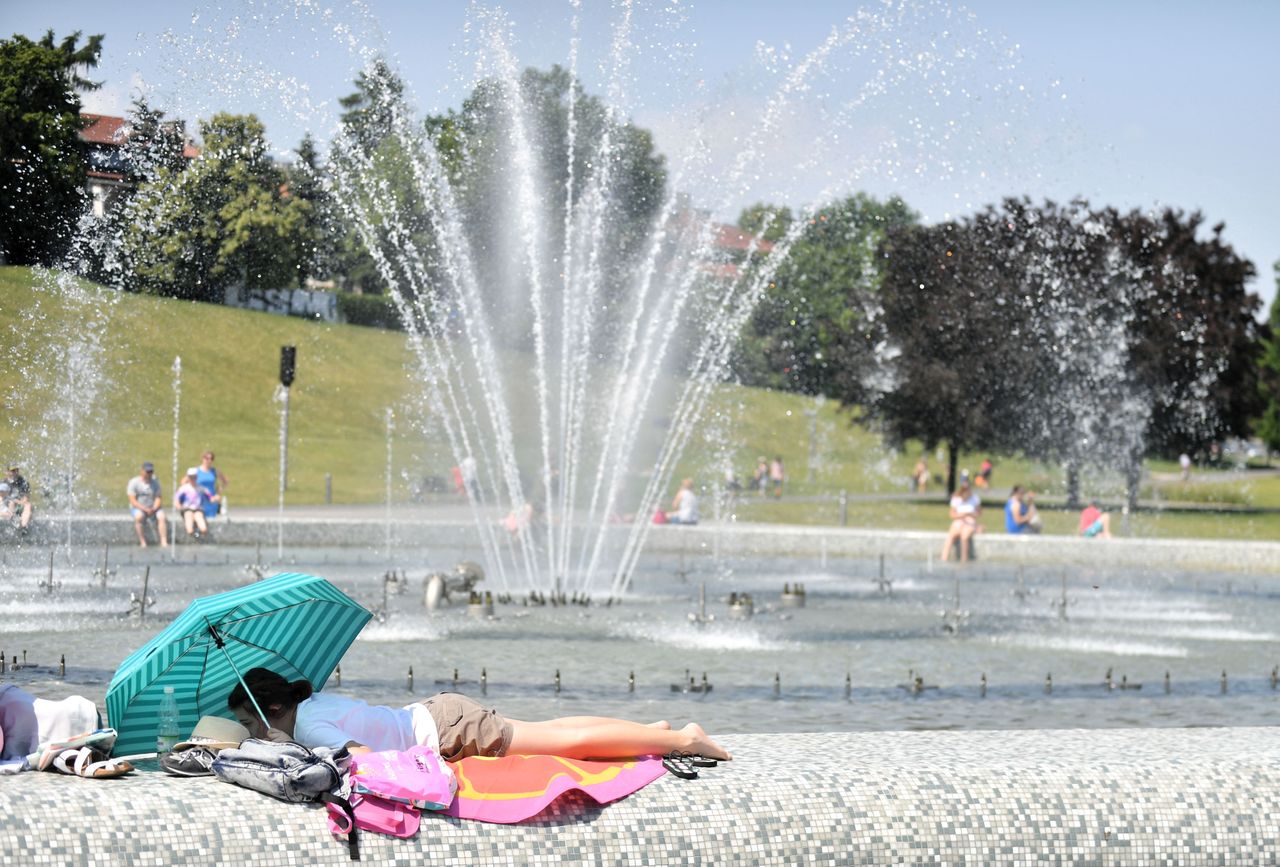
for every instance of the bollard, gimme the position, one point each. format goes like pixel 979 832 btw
pixel 557 681
pixel 1224 681
pixel 62 666
pixel 484 681
pixel 1275 675
pixel 328 488
pixel 410 684
pixel 777 683
pixel 337 673
pixel 455 678
pixel 844 508
pixel 631 682
pixel 1166 682
pixel 848 685
pixel 1048 684
pixel 706 686
pixel 982 686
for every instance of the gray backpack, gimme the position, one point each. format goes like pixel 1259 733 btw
pixel 290 772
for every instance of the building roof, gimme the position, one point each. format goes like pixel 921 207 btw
pixel 732 238
pixel 104 129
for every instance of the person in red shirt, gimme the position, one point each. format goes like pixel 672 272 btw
pixel 1095 522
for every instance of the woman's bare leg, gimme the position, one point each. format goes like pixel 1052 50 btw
pixel 588 721
pixel 606 738
pixel 965 535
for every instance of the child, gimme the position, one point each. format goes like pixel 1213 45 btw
pixel 190 505
pixel 456 726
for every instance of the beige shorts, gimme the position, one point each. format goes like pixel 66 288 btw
pixel 467 728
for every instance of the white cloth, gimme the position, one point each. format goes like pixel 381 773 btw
pixel 28 722
pixel 965 506
pixel 333 721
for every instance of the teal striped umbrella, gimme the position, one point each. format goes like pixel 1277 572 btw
pixel 299 626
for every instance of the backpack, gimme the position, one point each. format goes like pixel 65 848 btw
pixel 291 772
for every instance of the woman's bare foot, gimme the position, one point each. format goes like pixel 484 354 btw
pixel 660 724
pixel 700 744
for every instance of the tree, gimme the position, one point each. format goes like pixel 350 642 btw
pixel 224 221
pixel 1268 424
pixel 940 333
pixel 805 334
pixel 42 159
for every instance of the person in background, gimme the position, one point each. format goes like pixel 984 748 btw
pixel 684 506
pixel 190 505
pixel 761 477
pixel 145 504
pixel 1184 464
pixel 1095 522
pixel 777 475
pixel 965 509
pixel 984 474
pixel 920 475
pixel 212 485
pixel 1017 512
pixel 19 498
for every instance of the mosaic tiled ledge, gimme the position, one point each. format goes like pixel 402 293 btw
pixel 1122 797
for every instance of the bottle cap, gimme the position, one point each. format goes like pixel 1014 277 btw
pixel 168 690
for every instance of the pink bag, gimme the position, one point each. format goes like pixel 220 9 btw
pixel 376 814
pixel 415 776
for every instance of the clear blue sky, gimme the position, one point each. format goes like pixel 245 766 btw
pixel 1137 103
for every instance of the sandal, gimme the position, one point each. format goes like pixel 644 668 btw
pixel 88 762
pixel 680 766
pixel 101 740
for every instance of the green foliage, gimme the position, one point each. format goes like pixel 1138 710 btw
pixel 375 311
pixel 807 333
pixel 42 159
pixel 1268 424
pixel 225 220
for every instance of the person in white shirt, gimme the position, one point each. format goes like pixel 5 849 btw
pixel 965 508
pixel 452 724
pixel 684 506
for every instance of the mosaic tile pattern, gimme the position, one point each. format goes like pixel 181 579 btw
pixel 1163 796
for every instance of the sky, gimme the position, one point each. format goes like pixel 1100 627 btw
pixel 1134 104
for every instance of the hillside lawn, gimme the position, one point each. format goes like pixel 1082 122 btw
pixel 348 377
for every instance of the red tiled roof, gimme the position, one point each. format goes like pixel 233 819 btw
pixel 105 129
pixel 732 238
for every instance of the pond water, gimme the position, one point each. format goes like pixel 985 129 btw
pixel 784 669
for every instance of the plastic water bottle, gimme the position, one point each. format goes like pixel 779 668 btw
pixel 168 733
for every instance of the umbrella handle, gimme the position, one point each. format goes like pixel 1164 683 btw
pixel 221 645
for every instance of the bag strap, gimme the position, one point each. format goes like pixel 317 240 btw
pixel 336 804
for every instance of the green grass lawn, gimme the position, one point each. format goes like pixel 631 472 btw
pixel 349 376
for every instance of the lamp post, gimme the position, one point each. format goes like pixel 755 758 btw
pixel 288 367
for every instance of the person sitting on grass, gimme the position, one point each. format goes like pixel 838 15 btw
pixel 1095 522
pixel 965 508
pixel 453 724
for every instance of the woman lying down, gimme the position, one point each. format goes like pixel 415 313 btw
pixel 452 724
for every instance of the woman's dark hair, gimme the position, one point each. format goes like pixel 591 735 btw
pixel 269 688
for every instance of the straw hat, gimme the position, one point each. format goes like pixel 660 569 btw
pixel 215 733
